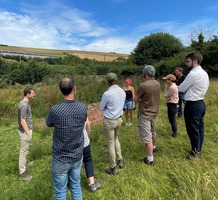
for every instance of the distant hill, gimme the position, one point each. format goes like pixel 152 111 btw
pixel 99 56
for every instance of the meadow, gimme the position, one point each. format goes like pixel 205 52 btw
pixel 172 176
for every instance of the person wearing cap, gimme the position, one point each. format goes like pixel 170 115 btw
pixel 148 96
pixel 129 104
pixel 171 96
pixel 111 104
pixel 195 87
pixel 180 77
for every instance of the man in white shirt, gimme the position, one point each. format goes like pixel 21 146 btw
pixel 195 87
pixel 112 103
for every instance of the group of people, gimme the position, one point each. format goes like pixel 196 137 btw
pixel 71 144
pixel 174 99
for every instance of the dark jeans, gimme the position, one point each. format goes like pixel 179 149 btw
pixel 194 120
pixel 181 100
pixel 171 111
pixel 87 160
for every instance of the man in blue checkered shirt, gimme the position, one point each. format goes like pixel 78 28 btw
pixel 68 119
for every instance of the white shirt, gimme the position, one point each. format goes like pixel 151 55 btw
pixel 112 102
pixel 86 137
pixel 195 84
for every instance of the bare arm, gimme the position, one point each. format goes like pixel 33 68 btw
pixel 133 92
pixel 136 98
pixel 88 126
pixel 133 96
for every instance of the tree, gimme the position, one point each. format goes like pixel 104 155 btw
pixel 198 45
pixel 155 47
pixel 210 59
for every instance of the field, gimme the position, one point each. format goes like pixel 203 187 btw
pixel 172 177
pixel 99 56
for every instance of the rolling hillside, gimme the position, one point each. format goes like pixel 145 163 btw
pixel 99 56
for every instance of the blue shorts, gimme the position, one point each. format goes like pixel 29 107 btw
pixel 128 105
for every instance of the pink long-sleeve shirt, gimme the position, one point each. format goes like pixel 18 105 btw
pixel 171 95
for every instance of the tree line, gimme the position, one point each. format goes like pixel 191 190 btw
pixel 162 50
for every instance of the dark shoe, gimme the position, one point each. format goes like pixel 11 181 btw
pixel 95 186
pixel 111 171
pixel 193 154
pixel 174 134
pixel 26 177
pixel 146 161
pixel 120 164
pixel 29 164
pixel 155 150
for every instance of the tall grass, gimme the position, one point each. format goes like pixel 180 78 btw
pixel 172 177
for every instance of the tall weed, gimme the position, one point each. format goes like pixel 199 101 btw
pixel 172 176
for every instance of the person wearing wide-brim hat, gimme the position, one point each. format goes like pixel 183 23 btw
pixel 171 96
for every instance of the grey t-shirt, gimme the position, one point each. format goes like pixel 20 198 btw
pixel 24 111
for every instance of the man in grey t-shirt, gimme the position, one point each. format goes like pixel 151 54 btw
pixel 25 131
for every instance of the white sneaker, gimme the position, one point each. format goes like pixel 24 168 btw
pixel 130 124
pixel 26 177
pixel 127 124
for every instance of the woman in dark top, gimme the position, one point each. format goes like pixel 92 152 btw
pixel 129 103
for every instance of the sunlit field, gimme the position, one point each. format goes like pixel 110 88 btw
pixel 172 176
pixel 99 56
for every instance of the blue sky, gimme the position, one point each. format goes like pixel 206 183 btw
pixel 102 25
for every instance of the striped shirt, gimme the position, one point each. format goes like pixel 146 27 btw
pixel 68 119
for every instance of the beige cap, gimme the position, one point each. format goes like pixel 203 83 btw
pixel 170 77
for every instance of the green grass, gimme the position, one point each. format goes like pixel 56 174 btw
pixel 172 177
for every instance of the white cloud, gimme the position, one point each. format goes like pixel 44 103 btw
pixel 213 8
pixel 67 31
pixel 111 44
pixel 18 30
pixel 57 26
pixel 180 30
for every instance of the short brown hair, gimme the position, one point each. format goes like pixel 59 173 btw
pixel 27 90
pixel 179 68
pixel 195 56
